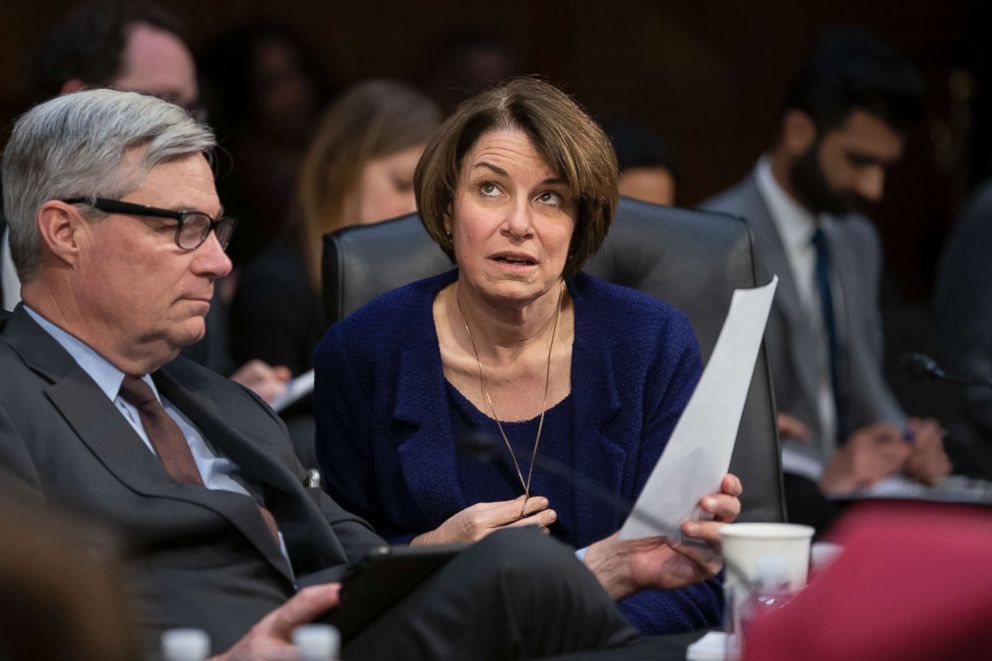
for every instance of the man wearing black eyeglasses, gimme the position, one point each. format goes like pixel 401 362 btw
pixel 138 47
pixel 193 228
pixel 118 236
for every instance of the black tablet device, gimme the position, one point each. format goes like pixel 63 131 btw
pixel 384 576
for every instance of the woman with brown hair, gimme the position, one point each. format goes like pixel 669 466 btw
pixel 358 170
pixel 519 187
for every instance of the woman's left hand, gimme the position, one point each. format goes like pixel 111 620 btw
pixel 626 567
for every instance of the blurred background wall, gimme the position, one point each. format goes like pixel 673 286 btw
pixel 707 76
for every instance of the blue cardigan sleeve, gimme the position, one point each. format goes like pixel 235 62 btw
pixel 671 379
pixel 342 415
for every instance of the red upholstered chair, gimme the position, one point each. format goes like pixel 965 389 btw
pixel 914 582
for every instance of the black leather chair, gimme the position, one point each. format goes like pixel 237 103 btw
pixel 691 259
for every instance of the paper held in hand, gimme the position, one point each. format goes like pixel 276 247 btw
pixel 698 453
pixel 296 390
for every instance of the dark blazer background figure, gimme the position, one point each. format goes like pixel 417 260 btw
pixel 856 267
pixel 63 439
pixel 276 311
pixel 963 316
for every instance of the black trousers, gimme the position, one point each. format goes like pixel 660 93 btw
pixel 516 594
pixel 806 504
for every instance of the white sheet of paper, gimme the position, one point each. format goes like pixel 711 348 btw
pixel 698 453
pixel 297 388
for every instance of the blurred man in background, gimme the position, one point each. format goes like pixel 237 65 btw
pixel 842 127
pixel 134 47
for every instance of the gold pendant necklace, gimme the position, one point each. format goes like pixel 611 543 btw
pixel 492 407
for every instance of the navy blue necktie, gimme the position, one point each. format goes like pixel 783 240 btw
pixel 822 277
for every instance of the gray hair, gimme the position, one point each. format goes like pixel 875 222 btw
pixel 75 146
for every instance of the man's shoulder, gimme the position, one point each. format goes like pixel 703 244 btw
pixel 11 363
pixel 738 199
pixel 23 346
pixel 207 383
pixel 979 204
pixel 857 224
pixel 968 242
pixel 194 375
pixel 856 232
pixel 238 407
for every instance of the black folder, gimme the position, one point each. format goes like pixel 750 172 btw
pixel 382 578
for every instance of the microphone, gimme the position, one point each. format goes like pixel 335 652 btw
pixel 922 367
pixel 925 368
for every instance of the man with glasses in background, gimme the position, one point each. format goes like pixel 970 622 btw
pixel 134 46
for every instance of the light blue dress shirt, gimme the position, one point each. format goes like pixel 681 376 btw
pixel 217 473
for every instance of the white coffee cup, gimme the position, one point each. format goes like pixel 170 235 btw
pixel 744 543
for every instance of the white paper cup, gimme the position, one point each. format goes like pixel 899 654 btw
pixel 744 543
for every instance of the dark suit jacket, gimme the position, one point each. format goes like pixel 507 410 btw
pixel 856 266
pixel 963 316
pixel 197 557
pixel 3 228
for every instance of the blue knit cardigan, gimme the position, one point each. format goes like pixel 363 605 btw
pixel 384 428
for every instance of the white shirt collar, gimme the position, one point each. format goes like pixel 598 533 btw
pixel 795 224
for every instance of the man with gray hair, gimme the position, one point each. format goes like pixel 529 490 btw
pixel 133 46
pixel 118 237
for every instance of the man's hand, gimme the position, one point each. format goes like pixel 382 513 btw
pixel 269 640
pixel 267 381
pixel 475 522
pixel 790 427
pixel 624 568
pixel 870 454
pixel 927 461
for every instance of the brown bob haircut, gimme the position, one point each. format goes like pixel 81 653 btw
pixel 569 140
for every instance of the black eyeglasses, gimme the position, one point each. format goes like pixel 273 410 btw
pixel 193 229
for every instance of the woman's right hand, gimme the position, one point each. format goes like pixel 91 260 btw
pixel 475 522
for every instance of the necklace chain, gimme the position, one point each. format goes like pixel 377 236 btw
pixel 492 407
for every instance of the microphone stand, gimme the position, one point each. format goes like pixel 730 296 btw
pixel 926 368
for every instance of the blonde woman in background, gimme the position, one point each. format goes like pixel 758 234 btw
pixel 358 170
